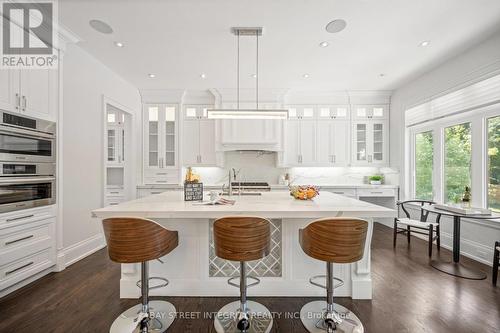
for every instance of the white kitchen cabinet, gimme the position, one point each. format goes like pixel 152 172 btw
pixel 9 90
pixel 340 112
pixel 300 148
pixel 30 92
pixel 370 142
pixel 198 143
pixel 301 112
pixel 332 142
pixel 160 139
pixel 115 138
pixel 366 112
pixel 300 136
pixel 27 246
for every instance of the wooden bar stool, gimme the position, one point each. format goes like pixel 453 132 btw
pixel 242 239
pixel 334 240
pixel 135 240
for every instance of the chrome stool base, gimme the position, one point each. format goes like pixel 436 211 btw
pixel 312 317
pixel 261 320
pixel 162 315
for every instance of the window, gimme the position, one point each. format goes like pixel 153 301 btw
pixel 457 161
pixel 424 161
pixel 494 163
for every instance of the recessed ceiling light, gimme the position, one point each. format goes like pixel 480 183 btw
pixel 151 75
pixel 101 26
pixel 324 44
pixel 203 75
pixel 254 76
pixel 305 76
pixel 336 26
pixel 425 43
pixel 119 44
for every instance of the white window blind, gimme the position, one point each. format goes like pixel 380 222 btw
pixel 480 94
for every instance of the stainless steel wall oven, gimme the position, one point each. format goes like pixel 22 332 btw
pixel 27 162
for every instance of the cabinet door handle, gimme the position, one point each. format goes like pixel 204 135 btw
pixel 369 158
pixel 18 101
pixel 114 192
pixel 334 158
pixel 18 240
pixel 20 218
pixel 161 173
pixel 200 158
pixel 24 103
pixel 160 181
pixel 19 268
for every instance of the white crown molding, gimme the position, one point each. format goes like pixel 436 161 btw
pixel 175 96
pixel 199 97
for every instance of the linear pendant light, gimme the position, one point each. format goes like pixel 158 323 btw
pixel 247 113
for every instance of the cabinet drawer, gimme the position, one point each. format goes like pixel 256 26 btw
pixel 160 180
pixel 160 173
pixel 113 201
pixel 147 192
pixel 348 192
pixel 22 217
pixel 115 192
pixel 19 270
pixel 22 241
pixel 386 192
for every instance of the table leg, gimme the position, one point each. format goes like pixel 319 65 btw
pixel 456 239
pixel 455 268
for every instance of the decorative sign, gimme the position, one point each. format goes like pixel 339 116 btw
pixel 193 191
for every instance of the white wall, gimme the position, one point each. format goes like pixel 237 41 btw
pixel 479 62
pixel 85 81
pixel 476 64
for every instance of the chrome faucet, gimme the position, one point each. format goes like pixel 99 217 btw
pixel 230 186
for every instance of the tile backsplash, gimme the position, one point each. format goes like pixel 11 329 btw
pixel 261 166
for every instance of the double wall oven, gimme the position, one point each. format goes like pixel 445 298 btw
pixel 27 162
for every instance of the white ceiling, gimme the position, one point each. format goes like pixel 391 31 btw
pixel 180 39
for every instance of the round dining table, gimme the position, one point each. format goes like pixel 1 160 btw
pixel 454 267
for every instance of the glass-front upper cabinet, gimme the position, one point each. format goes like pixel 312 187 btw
pixel 333 112
pixel 160 136
pixel 370 142
pixel 301 112
pixel 363 112
pixel 115 137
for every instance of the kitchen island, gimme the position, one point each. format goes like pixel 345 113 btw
pixel 194 270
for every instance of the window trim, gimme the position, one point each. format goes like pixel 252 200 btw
pixel 479 142
pixel 485 158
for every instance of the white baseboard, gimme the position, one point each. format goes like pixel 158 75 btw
pixel 468 248
pixel 78 251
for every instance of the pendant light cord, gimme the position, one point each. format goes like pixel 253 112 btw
pixel 257 72
pixel 238 74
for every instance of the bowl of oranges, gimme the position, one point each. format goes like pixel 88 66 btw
pixel 304 192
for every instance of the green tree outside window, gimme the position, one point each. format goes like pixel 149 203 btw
pixel 424 154
pixel 494 163
pixel 457 162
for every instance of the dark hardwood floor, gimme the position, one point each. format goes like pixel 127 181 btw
pixel 409 296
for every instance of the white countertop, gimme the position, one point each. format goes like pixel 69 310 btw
pixel 273 186
pixel 270 204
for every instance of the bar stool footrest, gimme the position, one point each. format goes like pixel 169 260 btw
pixel 237 285
pixel 154 278
pixel 313 279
